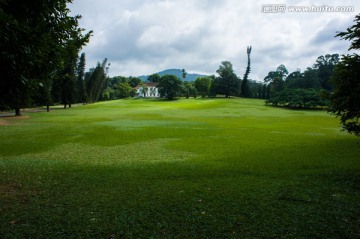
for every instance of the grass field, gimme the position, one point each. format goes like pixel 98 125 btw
pixel 212 168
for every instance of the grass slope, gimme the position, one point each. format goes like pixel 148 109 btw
pixel 213 168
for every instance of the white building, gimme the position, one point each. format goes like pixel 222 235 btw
pixel 150 88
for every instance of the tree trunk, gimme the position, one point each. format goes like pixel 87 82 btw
pixel 17 112
pixel 48 108
pixel 70 105
pixel 65 106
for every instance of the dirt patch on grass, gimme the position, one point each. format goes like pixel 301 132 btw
pixel 9 120
pixel 20 117
pixel 3 123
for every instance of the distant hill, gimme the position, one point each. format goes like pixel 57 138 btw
pixel 176 72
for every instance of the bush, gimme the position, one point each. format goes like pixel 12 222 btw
pixel 298 98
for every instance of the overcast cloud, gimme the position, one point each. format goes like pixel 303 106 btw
pixel 141 37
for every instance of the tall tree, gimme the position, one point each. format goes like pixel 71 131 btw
pixel 187 89
pixel 96 80
pixel 154 78
pixel 67 75
pixel 170 86
pixel 245 92
pixel 228 81
pixel 311 79
pixel 32 36
pixel 346 96
pixel 202 85
pixel 293 80
pixel 81 90
pixel 213 86
pixel 134 81
pixel 276 79
pixel 184 73
pixel 325 66
pixel 123 90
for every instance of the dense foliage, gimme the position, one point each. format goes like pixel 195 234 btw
pixel 202 85
pixel 227 83
pixel 244 84
pixel 96 81
pixel 38 39
pixel 298 98
pixel 170 87
pixel 345 100
pixel 302 89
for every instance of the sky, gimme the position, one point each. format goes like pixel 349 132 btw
pixel 142 37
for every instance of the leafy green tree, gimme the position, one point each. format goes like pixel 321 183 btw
pixel 193 91
pixel 117 79
pixel 188 89
pixel 109 94
pixel 282 71
pixel 311 79
pixel 245 91
pixel 45 94
pixel 306 80
pixel 202 85
pixel 213 86
pixel 96 80
pixel 276 79
pixel 293 80
pixel 32 39
pixel 67 75
pixel 346 96
pixel 123 90
pixel 134 81
pixel 264 92
pixel 254 89
pixel 325 66
pixel 81 89
pixel 227 84
pixel 154 78
pixel 184 73
pixel 298 98
pixel 170 86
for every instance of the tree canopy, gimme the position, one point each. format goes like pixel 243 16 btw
pixel 170 86
pixel 154 78
pixel 298 98
pixel 227 84
pixel 345 100
pixel 245 91
pixel 34 40
pixel 202 85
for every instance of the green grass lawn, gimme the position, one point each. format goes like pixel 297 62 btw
pixel 212 168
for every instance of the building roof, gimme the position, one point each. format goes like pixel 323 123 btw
pixel 148 84
pixel 154 84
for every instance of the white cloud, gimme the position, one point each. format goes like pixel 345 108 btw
pixel 142 37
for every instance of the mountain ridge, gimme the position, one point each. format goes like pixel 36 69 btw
pixel 177 73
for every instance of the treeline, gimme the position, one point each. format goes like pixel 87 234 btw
pixel 120 87
pixel 226 84
pixel 297 89
pixel 302 89
pixel 40 44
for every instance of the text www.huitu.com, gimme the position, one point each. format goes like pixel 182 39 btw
pixel 282 8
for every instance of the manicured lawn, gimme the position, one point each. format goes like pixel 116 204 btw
pixel 212 168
